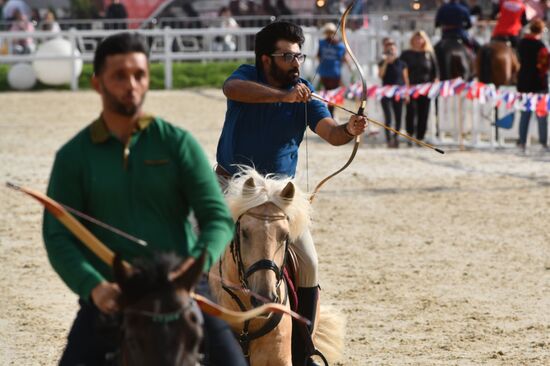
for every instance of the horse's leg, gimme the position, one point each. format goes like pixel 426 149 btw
pixel 460 122
pixel 475 121
pixel 436 109
pixel 496 126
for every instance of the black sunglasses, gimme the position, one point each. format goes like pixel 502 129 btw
pixel 290 56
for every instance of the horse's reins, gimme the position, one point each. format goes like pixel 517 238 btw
pixel 245 337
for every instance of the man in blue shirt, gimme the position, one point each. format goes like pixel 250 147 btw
pixel 332 55
pixel 268 109
pixel 454 18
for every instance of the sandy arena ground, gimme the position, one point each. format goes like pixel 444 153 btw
pixel 434 259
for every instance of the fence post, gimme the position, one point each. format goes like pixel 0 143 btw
pixel 168 39
pixel 74 76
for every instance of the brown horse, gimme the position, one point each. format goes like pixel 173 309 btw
pixel 161 322
pixel 454 59
pixel 497 63
pixel 270 214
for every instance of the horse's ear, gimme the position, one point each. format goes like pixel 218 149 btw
pixel 288 191
pixel 187 275
pixel 120 271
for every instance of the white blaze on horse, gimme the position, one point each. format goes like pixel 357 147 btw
pixel 270 213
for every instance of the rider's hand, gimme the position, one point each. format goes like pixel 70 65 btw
pixel 356 125
pixel 299 93
pixel 105 297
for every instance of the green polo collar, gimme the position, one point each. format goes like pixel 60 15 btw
pixel 100 133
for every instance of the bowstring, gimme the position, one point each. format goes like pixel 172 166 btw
pixel 305 104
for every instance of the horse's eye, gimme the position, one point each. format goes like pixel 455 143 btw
pixel 244 234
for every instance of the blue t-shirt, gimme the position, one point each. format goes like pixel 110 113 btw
pixel 265 135
pixel 330 58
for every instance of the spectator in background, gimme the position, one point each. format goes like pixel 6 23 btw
pixel 22 24
pixel 536 9
pixel 35 16
pixel 2 26
pixel 422 68
pixel 283 8
pixel 511 17
pixel 269 9
pixel 331 55
pixel 533 78
pixel 116 10
pixel 392 71
pixel 191 13
pixel 227 42
pixel 49 24
pixel 476 12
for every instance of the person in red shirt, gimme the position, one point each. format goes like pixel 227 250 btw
pixel 511 18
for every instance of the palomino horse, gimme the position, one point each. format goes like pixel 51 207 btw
pixel 497 63
pixel 270 214
pixel 161 323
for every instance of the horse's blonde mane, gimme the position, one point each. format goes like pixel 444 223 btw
pixel 268 189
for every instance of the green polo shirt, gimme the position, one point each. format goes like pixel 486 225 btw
pixel 146 188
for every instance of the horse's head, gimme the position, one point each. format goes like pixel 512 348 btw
pixel 270 213
pixel 162 324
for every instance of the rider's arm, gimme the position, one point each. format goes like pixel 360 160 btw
pixel 253 92
pixel 329 130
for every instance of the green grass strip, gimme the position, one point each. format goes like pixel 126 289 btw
pixel 185 75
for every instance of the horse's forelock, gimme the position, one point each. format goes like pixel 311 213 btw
pixel 241 198
pixel 150 274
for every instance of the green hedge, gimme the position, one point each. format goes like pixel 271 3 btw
pixel 185 75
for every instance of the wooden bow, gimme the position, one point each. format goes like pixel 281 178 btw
pixel 362 106
pixel 107 255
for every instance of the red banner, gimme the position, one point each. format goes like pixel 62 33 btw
pixel 138 9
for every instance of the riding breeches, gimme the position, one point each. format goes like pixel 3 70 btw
pixel 307 260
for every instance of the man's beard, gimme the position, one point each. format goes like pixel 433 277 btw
pixel 285 78
pixel 120 108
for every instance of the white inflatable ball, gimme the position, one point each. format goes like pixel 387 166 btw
pixel 56 72
pixel 21 77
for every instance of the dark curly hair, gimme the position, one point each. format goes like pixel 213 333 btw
pixel 267 38
pixel 115 44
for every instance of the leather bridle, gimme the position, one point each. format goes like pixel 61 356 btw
pixel 245 337
pixel 161 318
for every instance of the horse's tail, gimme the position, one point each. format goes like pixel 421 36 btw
pixel 329 334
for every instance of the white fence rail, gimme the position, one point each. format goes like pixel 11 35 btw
pixel 170 45
pixel 173 45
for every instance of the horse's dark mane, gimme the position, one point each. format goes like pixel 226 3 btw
pixel 150 275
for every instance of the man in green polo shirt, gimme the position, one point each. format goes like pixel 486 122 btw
pixel 143 176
